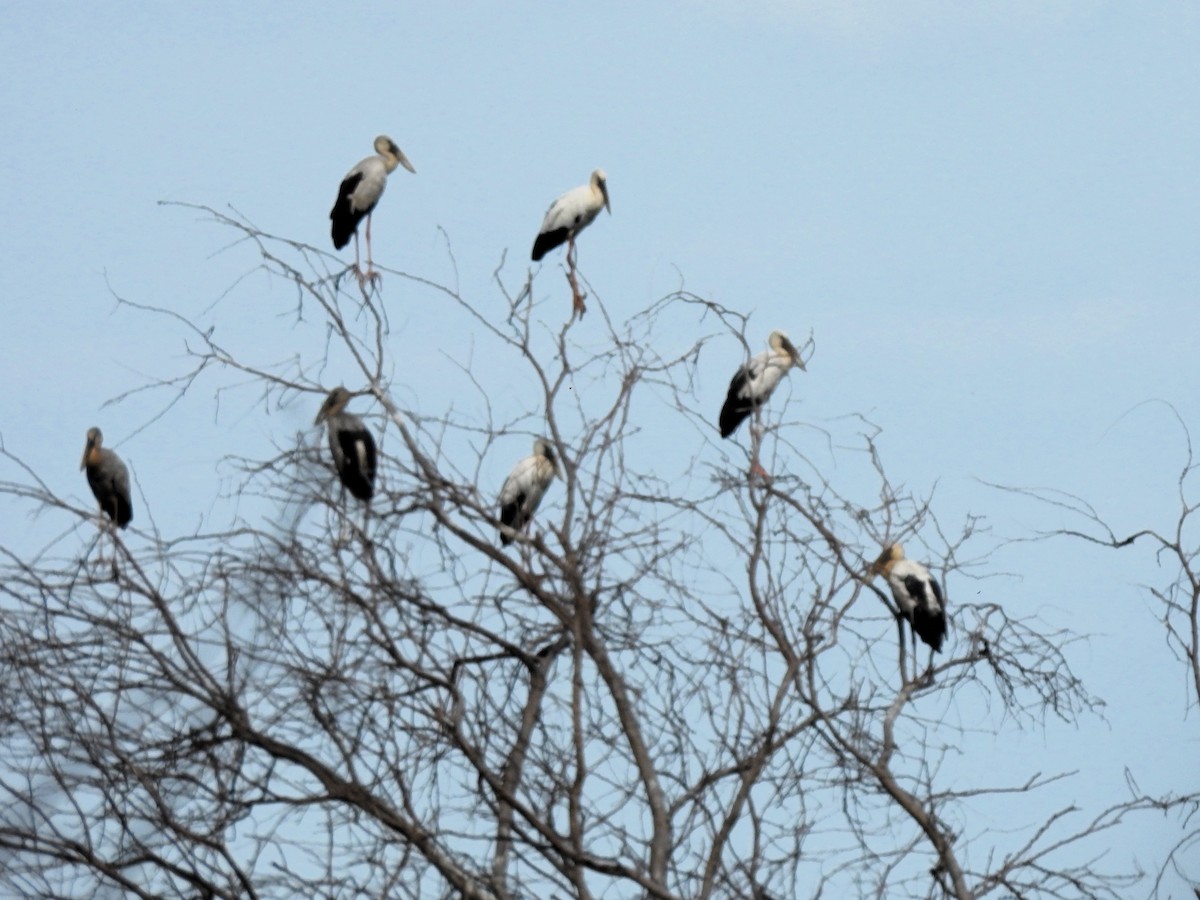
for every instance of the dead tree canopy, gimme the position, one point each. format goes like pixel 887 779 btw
pixel 676 680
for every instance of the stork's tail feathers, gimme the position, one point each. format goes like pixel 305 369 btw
pixel 930 627
pixel 547 241
pixel 344 223
pixel 732 415
pixel 124 511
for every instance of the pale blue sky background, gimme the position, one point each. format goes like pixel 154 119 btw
pixel 988 214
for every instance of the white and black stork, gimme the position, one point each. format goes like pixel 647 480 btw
pixel 566 217
pixel 358 194
pixel 524 488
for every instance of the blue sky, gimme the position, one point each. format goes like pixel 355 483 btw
pixel 989 219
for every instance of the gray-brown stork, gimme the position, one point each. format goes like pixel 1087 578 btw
pixel 350 444
pixel 108 478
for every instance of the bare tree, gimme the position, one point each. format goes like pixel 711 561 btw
pixel 676 682
pixel 1175 594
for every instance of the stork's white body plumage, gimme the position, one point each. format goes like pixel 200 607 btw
pixel 358 194
pixel 917 593
pixel 350 444
pixel 571 213
pixel 524 488
pixel 566 217
pixel 754 382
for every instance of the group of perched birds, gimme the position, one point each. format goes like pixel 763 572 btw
pixel 352 447
pixel 363 185
pixel 917 594
pixel 354 458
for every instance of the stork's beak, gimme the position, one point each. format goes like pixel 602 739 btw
pixel 404 160
pixel 604 191
pixel 794 354
pixel 884 557
pixel 87 449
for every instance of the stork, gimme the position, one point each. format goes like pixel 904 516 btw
pixel 752 386
pixel 350 444
pixel 566 217
pixel 359 192
pixel 108 478
pixel 918 595
pixel 524 488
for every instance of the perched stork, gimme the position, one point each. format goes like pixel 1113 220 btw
pixel 524 488
pixel 359 192
pixel 350 443
pixel 916 593
pixel 753 384
pixel 108 478
pixel 566 217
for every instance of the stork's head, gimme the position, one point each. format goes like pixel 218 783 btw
pixel 600 183
pixel 542 447
pixel 778 341
pixel 891 555
pixel 94 442
pixel 334 404
pixel 392 155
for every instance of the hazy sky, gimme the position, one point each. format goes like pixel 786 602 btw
pixel 987 214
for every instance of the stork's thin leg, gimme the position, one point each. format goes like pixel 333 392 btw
pixel 107 530
pixel 903 645
pixel 370 257
pixel 756 433
pixel 577 307
pixel 357 268
pixel 372 275
pixel 116 572
pixel 342 539
pixel 928 671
